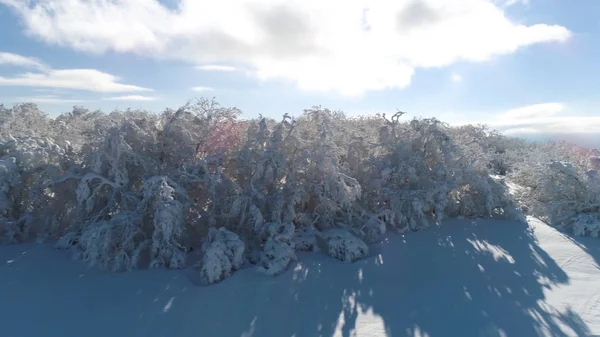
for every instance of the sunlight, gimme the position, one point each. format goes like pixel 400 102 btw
pixel 497 252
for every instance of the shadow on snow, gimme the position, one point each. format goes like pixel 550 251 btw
pixel 454 280
pixel 484 278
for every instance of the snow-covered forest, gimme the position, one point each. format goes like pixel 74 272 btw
pixel 200 187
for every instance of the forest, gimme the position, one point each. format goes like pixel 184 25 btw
pixel 201 187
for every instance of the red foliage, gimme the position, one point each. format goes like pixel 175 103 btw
pixel 222 137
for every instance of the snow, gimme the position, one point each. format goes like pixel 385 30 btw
pixel 465 278
pixel 342 245
pixel 278 251
pixel 223 254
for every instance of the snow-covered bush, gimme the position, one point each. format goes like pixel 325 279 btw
pixel 262 177
pixel 428 171
pixel 164 205
pixel 28 165
pixel 132 189
pixel 342 245
pixel 483 196
pixel 115 244
pixel 488 150
pixel 202 128
pixel 305 239
pixel 278 251
pixel 10 180
pixel 416 173
pixel 587 224
pixel 123 208
pixel 25 120
pixel 223 253
pixel 560 187
pixel 263 208
pixel 329 195
pixel 137 230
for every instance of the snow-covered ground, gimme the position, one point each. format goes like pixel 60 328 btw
pixel 484 278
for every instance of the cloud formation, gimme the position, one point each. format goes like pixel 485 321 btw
pixel 48 99
pixel 214 67
pixel 79 79
pixel 508 3
pixel 137 98
pixel 346 46
pixel 201 89
pixel 544 118
pixel 16 60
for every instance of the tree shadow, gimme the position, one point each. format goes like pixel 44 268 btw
pixel 485 278
pixel 483 281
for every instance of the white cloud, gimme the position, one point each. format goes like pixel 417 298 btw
pixel 529 112
pixel 132 98
pixel 20 61
pixel 52 91
pixel 346 46
pixel 79 79
pixel 544 118
pixel 508 3
pixel 214 67
pixel 201 89
pixel 49 99
pixel 456 78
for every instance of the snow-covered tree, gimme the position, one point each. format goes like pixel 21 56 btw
pixel 223 254
pixel 133 189
pixel 560 186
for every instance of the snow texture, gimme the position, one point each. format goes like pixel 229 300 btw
pixel 278 251
pixel 131 190
pixel 465 278
pixel 586 225
pixel 305 240
pixel 342 245
pixel 223 254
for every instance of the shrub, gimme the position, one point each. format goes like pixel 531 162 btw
pixel 132 189
pixel 560 187
pixel 223 253
pixel 342 245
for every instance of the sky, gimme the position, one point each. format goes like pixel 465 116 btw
pixel 521 66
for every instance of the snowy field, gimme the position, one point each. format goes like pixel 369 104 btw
pixel 484 278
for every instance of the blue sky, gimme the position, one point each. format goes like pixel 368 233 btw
pixel 522 66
